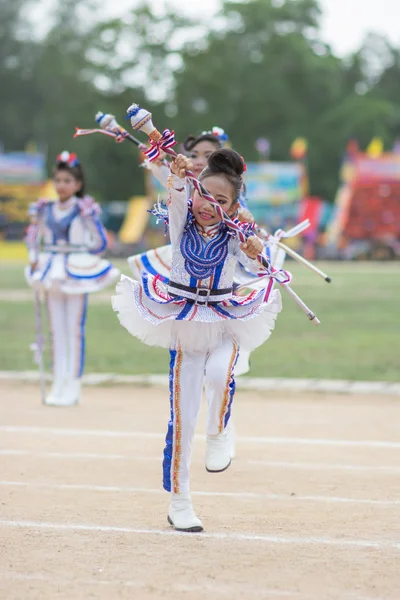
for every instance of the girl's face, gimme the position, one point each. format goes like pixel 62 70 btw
pixel 66 185
pixel 220 188
pixel 200 154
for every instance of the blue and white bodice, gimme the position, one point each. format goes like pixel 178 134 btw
pixel 64 242
pixel 203 258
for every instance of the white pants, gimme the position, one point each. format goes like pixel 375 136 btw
pixel 187 371
pixel 67 320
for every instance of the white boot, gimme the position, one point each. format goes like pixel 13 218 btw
pixel 72 392
pixel 230 432
pixel 54 398
pixel 218 456
pixel 181 514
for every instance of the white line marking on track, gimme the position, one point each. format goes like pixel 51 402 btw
pixel 382 469
pixel 251 537
pixel 154 435
pixel 205 587
pixel 81 455
pixel 325 467
pixel 235 495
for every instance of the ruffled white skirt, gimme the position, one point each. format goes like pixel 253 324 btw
pixel 150 314
pixel 72 274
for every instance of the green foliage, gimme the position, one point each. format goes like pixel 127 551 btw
pixel 260 69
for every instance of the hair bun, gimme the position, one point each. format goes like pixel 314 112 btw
pixel 226 161
pixel 188 143
pixel 207 136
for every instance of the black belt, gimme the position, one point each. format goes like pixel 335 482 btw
pixel 65 249
pixel 199 292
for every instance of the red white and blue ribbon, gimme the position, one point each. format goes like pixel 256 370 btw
pixel 119 136
pixel 164 144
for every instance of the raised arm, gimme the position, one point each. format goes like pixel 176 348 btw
pixel 177 197
pixel 159 170
pixel 177 207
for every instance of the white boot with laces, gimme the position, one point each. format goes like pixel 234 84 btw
pixel 181 514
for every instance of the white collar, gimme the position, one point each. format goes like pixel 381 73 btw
pixel 67 204
pixel 208 231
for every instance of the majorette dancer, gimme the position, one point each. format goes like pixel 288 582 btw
pixel 65 241
pixel 197 315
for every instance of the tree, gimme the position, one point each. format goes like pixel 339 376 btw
pixel 259 69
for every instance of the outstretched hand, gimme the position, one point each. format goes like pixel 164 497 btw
pixel 180 165
pixel 252 247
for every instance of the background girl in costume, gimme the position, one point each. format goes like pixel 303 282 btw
pixel 64 241
pixel 199 319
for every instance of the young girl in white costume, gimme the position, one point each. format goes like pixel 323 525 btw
pixel 199 319
pixel 64 240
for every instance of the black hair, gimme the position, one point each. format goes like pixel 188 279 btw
pixel 228 163
pixel 77 173
pixel 191 141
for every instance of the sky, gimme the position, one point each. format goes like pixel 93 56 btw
pixel 345 23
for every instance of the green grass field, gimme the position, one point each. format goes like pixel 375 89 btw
pixel 358 339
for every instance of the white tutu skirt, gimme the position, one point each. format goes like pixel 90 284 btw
pixel 72 274
pixel 148 312
pixel 243 363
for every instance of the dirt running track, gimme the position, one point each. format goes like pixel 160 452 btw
pixel 309 509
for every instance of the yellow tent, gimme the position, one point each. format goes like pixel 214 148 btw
pixel 135 221
pixel 48 190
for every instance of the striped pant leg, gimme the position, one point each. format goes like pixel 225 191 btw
pixel 186 383
pixel 76 326
pixel 56 314
pixel 220 385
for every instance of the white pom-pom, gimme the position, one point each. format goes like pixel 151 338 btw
pixel 218 131
pixel 106 121
pixel 64 156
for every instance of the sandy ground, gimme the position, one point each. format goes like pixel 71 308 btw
pixel 309 510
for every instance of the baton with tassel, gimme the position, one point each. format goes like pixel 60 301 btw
pixel 276 238
pixel 110 127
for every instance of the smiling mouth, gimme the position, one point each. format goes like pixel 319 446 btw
pixel 206 216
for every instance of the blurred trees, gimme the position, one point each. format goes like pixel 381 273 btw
pixel 259 70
